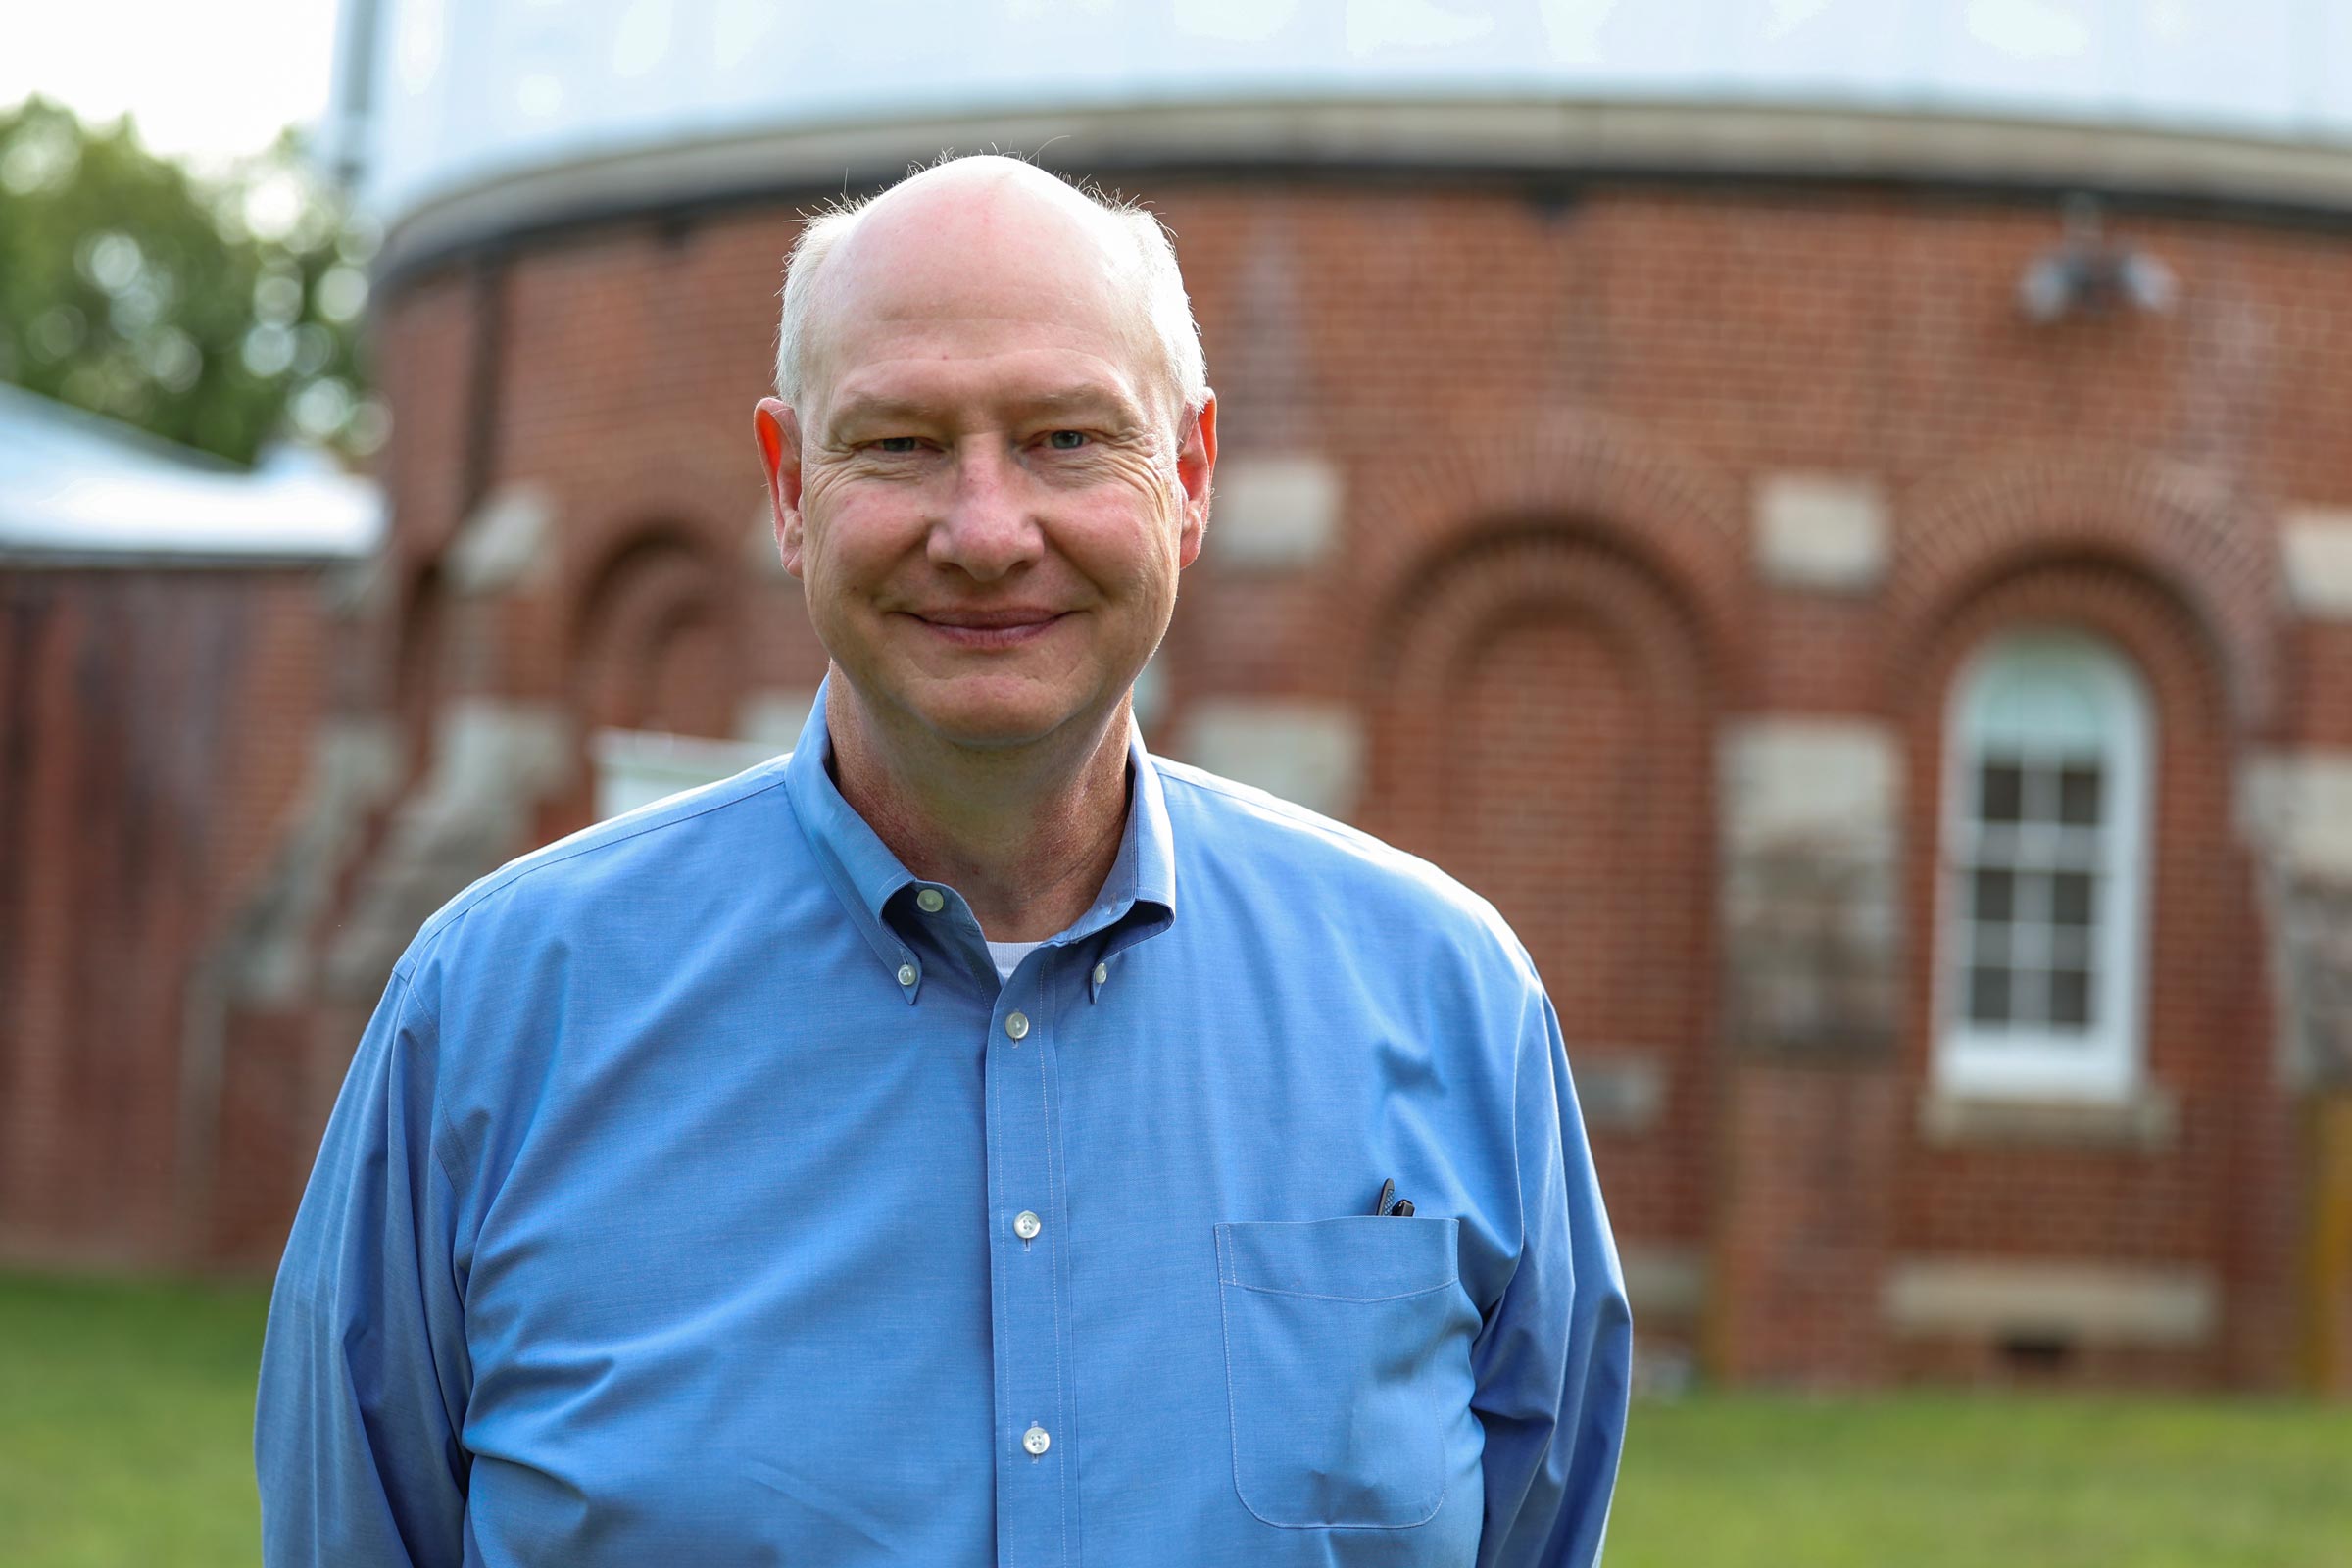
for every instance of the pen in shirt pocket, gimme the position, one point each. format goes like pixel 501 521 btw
pixel 1381 1205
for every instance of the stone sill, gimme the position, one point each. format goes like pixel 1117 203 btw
pixel 2147 1122
pixel 2075 1300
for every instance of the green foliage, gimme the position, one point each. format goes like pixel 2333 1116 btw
pixel 220 313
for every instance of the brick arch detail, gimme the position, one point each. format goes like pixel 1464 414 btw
pixel 1966 530
pixel 2214 1195
pixel 703 496
pixel 694 492
pixel 1614 900
pixel 656 594
pixel 1486 584
pixel 1588 476
pixel 1505 570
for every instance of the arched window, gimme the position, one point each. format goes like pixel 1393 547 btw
pixel 2043 891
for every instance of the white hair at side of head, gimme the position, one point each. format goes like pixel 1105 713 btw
pixel 1168 310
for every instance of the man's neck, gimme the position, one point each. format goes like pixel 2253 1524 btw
pixel 1027 834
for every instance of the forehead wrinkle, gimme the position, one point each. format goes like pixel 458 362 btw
pixel 1114 371
pixel 929 386
pixel 886 408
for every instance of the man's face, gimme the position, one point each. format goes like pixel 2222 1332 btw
pixel 983 492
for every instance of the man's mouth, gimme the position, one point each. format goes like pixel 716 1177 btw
pixel 988 629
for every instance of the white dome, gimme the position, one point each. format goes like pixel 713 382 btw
pixel 444 97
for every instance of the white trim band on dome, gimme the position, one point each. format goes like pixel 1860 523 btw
pixel 1548 137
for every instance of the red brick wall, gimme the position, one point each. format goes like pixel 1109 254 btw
pixel 158 726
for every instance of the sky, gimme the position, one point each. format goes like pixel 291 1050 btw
pixel 209 81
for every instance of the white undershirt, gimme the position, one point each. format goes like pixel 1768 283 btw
pixel 1009 955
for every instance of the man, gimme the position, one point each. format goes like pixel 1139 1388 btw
pixel 967 1139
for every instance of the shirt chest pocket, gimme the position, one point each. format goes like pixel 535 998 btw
pixel 1348 1365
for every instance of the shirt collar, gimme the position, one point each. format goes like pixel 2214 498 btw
pixel 1138 898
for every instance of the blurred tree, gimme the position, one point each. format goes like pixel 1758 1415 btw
pixel 219 312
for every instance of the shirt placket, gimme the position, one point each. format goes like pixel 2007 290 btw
pixel 1036 1440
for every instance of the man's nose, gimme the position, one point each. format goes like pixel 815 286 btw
pixel 988 528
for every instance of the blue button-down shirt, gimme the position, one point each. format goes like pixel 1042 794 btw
pixel 699 1194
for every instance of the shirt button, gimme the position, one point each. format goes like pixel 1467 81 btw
pixel 906 974
pixel 929 900
pixel 1026 1225
pixel 1035 1439
pixel 1101 973
pixel 1016 1024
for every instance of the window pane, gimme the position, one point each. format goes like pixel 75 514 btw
pixel 2039 803
pixel 1996 894
pixel 1989 996
pixel 2070 999
pixel 2028 948
pixel 2001 790
pixel 2078 794
pixel 2028 995
pixel 2071 899
pixel 2034 898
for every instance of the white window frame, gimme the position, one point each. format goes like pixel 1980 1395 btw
pixel 2107 1062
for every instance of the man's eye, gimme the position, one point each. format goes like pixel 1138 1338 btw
pixel 897 445
pixel 1066 440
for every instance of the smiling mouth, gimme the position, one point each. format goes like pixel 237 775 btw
pixel 990 628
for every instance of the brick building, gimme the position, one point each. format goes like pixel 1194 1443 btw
pixel 1867 592
pixel 167 627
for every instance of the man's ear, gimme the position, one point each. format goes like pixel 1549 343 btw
pixel 778 431
pixel 1196 469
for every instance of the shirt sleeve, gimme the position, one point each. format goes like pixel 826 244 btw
pixel 364 1374
pixel 1553 1362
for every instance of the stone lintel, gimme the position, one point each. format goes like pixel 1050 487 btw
pixel 1307 751
pixel 2148 1122
pixel 1803 776
pixel 2297 806
pixel 1619 1088
pixel 2094 1302
pixel 503 545
pixel 1664 1280
pixel 1821 531
pixel 2316 547
pixel 1274 510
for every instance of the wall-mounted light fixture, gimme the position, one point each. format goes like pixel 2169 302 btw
pixel 2089 275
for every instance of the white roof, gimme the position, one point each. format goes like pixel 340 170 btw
pixel 437 97
pixel 75 487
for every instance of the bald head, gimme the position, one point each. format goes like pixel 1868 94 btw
pixel 939 231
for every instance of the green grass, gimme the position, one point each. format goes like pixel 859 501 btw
pixel 1943 1481
pixel 125 1424
pixel 125 1413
